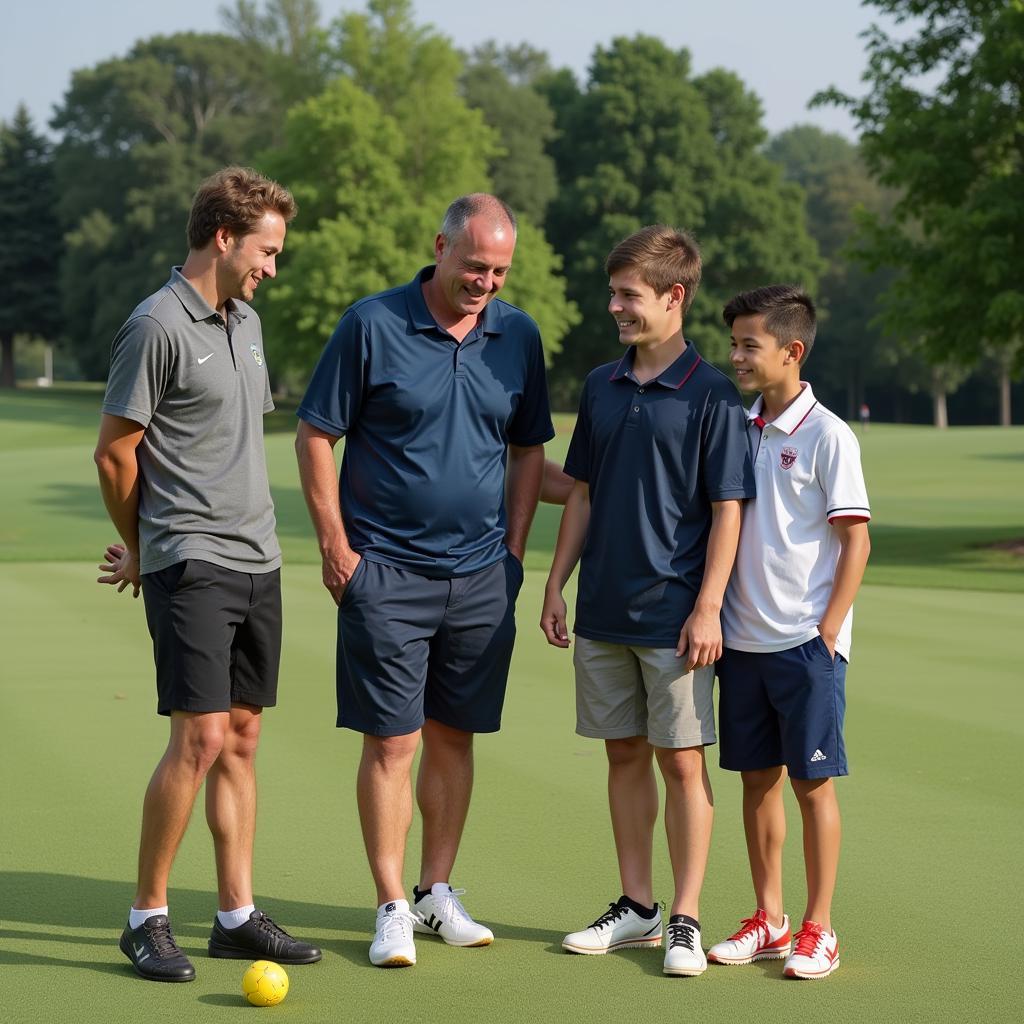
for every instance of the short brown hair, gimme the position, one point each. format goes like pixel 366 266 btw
pixel 788 311
pixel 662 256
pixel 235 198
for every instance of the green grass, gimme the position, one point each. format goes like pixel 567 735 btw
pixel 931 810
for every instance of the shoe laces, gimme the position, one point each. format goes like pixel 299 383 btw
pixel 451 906
pixel 680 934
pixel 265 924
pixel 614 912
pixel 401 920
pixel 749 925
pixel 807 939
pixel 162 939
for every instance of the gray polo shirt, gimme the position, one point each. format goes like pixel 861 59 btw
pixel 199 386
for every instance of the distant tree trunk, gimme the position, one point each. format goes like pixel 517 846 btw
pixel 939 416
pixel 7 377
pixel 1005 411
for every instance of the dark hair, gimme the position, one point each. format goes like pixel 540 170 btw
pixel 661 256
pixel 788 312
pixel 235 198
pixel 458 215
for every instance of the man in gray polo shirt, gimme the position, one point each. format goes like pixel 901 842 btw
pixel 184 479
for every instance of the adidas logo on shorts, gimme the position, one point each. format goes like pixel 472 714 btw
pixel 818 756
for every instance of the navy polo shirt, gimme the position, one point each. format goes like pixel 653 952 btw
pixel 427 421
pixel 655 456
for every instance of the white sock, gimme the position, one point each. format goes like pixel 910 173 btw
pixel 234 918
pixel 136 917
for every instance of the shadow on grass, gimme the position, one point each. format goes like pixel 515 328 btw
pixel 59 902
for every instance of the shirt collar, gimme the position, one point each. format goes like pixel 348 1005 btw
pixel 673 376
pixel 793 415
pixel 490 322
pixel 195 305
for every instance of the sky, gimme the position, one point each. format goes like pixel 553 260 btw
pixel 784 51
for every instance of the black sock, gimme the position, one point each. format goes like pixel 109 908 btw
pixel 639 908
pixel 684 919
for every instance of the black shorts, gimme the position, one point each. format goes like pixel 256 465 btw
pixel 412 648
pixel 216 636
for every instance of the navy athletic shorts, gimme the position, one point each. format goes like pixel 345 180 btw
pixel 783 707
pixel 412 648
pixel 216 636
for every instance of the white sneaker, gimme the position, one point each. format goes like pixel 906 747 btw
pixel 684 955
pixel 757 939
pixel 393 944
pixel 440 912
pixel 816 954
pixel 619 927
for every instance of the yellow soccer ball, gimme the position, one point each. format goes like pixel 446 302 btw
pixel 265 983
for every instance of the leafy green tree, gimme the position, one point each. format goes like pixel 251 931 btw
pixel 30 254
pixel 498 82
pixel 848 356
pixel 139 133
pixel 412 71
pixel 954 151
pixel 291 39
pixel 645 141
pixel 361 228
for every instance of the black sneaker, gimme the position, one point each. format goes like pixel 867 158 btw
pixel 260 939
pixel 154 953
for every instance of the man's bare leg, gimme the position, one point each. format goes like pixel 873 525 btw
pixel 195 744
pixel 231 806
pixel 384 796
pixel 443 790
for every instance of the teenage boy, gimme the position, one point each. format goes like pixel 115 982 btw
pixel 787 623
pixel 661 464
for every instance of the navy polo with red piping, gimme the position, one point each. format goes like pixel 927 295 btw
pixel 655 456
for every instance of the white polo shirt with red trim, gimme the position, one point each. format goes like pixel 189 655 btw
pixel 807 472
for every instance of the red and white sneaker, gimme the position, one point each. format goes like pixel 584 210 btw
pixel 756 940
pixel 816 954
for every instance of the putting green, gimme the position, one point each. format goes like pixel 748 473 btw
pixel 931 809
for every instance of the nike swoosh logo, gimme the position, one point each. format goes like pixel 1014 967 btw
pixel 204 358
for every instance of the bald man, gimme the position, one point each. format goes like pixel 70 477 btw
pixel 438 388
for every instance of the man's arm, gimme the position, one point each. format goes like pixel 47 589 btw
pixel 700 639
pixel 116 461
pixel 855 544
pixel 522 489
pixel 315 451
pixel 557 485
pixel 572 532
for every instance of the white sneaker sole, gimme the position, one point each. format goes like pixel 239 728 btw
pixel 794 972
pixel 398 960
pixel 652 943
pixel 685 972
pixel 781 954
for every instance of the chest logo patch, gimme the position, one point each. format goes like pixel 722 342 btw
pixel 256 354
pixel 787 457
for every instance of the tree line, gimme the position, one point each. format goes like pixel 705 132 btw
pixel 910 239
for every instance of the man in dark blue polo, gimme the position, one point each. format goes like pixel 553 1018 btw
pixel 660 462
pixel 440 393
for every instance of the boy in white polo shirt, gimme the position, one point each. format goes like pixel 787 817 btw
pixel 786 625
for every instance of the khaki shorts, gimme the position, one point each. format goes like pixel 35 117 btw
pixel 626 691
